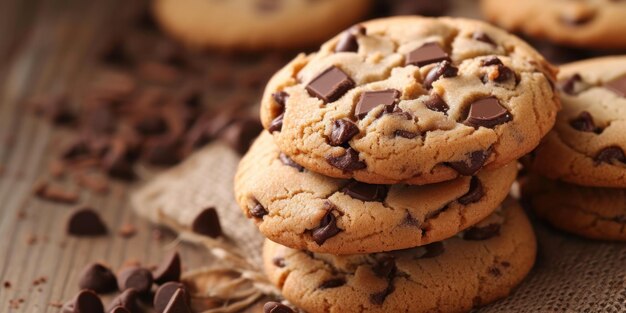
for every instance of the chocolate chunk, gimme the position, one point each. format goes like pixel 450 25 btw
pixel 569 85
pixel 487 112
pixel 343 131
pixel 475 192
pixel 258 211
pixel 426 54
pixel 85 222
pixel 128 299
pixel 482 233
pixel 618 86
pixel 137 278
pixel 502 72
pixel 365 192
pixel 276 124
pixel 280 98
pixel 85 302
pixel 348 40
pixel 474 162
pixel 405 134
pixel 276 307
pixel 332 283
pixel 610 155
pixel 118 161
pixel 166 292
pixel 443 69
pixel 289 162
pixel 347 162
pixel 433 250
pixel 169 269
pixel 207 223
pixel 98 278
pixel 177 303
pixel 481 36
pixel 327 229
pixel 279 262
pixel 371 99
pixel 119 309
pixel 436 103
pixel 584 122
pixel 330 85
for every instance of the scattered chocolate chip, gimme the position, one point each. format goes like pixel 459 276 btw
pixel 276 307
pixel 279 262
pixel 327 229
pixel 365 192
pixel 98 278
pixel 280 98
pixel 482 233
pixel 128 299
pixel 371 99
pixel 348 40
pixel 481 36
pixel 443 69
pixel 385 267
pixel 276 124
pixel 610 155
pixel 332 283
pixel 330 85
pixel 584 123
pixel 426 54
pixel 487 112
pixel 474 162
pixel 240 133
pixel 433 250
pixel 55 108
pixel 137 278
pixel 348 161
pixel 405 134
pixel 436 103
pixel 207 223
pixel 85 221
pixel 55 193
pixel 569 85
pixel 85 301
pixel 178 303
pixel 166 292
pixel 343 130
pixel 475 192
pixel 258 211
pixel 618 86
pixel 169 269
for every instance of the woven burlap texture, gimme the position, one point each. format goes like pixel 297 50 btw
pixel 571 274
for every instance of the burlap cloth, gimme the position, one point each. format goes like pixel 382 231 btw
pixel 571 274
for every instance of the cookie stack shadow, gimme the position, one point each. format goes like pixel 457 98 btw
pixel 382 179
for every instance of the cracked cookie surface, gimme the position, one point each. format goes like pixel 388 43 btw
pixel 583 23
pixel 592 212
pixel 411 99
pixel 588 143
pixel 256 24
pixel 305 210
pixel 472 269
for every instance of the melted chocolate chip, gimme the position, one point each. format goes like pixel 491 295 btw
pixel 409 220
pixel 332 283
pixel 481 36
pixel 343 131
pixel 569 85
pixel 405 134
pixel 618 86
pixel 436 103
pixel 433 250
pixel 475 161
pixel 426 54
pixel 365 192
pixel 348 41
pixel 207 223
pixel 348 161
pixel 443 69
pixel 482 233
pixel 258 211
pixel 584 122
pixel 610 155
pixel 289 162
pixel 386 268
pixel 279 262
pixel 327 229
pixel 276 124
pixel 275 307
pixel 280 98
pixel 98 278
pixel 330 85
pixel 487 112
pixel 371 99
pixel 475 192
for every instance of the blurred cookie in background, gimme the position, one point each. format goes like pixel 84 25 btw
pixel 256 25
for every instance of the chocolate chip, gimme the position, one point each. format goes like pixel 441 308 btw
pixel 258 211
pixel 128 299
pixel 330 85
pixel 343 130
pixel 487 112
pixel 481 36
pixel 276 307
pixel 280 98
pixel 371 99
pixel 584 122
pixel 137 278
pixel 348 40
pixel 276 124
pixel 207 223
pixel 409 220
pixel 378 298
pixel 433 250
pixel 168 270
pixel 85 222
pixel 327 228
pixel 332 283
pixel 98 278
pixel 426 54
pixel 610 155
pixel 443 69
pixel 482 233
pixel 241 133
pixel 436 103
pixel 405 134
pixel 118 161
pixel 492 60
pixel 502 72
pixel 119 309
pixel 475 192
pixel 85 301
pixel 569 85
pixel 365 192
pixel 166 292
pixel 279 262
pixel 618 86
pixel 178 303
pixel 348 161
pixel 474 162
pixel 385 267
pixel 289 162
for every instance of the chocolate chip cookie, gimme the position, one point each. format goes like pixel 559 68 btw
pixel 476 267
pixel 256 24
pixel 411 100
pixel 583 23
pixel 592 212
pixel 305 210
pixel 587 146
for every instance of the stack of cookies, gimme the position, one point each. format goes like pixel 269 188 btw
pixel 381 180
pixel 578 180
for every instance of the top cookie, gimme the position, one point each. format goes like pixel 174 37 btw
pixel 587 146
pixel 256 24
pixel 411 99
pixel 583 23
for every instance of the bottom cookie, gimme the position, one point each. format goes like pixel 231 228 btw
pixel 592 212
pixel 476 267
